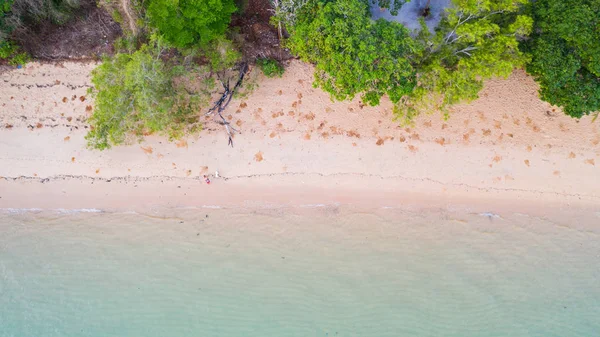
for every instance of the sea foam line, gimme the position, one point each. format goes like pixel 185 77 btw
pixel 20 210
pixel 490 215
pixel 54 210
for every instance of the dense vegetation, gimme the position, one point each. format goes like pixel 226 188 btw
pixel 162 72
pixel 188 23
pixel 352 53
pixel 428 71
pixel 393 5
pixel 156 87
pixel 474 42
pixel 138 94
pixel 557 41
pixel 566 54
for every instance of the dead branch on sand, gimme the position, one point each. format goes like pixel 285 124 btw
pixel 222 103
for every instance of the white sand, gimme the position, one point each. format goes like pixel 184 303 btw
pixel 507 148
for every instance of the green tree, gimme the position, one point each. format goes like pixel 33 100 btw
pixel 565 50
pixel 474 42
pixel 187 23
pixel 137 94
pixel 352 53
pixel 393 5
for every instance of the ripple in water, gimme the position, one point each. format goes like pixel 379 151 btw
pixel 277 273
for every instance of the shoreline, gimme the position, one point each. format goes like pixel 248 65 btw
pixel 172 195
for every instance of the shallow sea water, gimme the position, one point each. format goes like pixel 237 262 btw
pixel 325 271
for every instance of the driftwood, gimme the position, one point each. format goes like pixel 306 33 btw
pixel 222 103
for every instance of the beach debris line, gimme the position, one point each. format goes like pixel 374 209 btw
pixel 222 103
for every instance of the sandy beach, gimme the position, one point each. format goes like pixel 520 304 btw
pixel 507 150
pixel 315 218
pixel 326 219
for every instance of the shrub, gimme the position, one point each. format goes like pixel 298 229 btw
pixel 12 53
pixel 137 94
pixel 270 67
pixel 116 16
pixel 221 54
pixel 126 44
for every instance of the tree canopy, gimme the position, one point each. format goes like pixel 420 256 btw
pixel 137 94
pixel 352 53
pixel 393 5
pixel 155 89
pixel 186 23
pixel 565 50
pixel 474 42
pixel 286 10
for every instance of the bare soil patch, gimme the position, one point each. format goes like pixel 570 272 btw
pixel 88 35
pixel 260 38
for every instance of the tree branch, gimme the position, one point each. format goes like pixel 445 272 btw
pixel 222 103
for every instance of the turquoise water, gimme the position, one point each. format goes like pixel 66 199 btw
pixel 325 272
